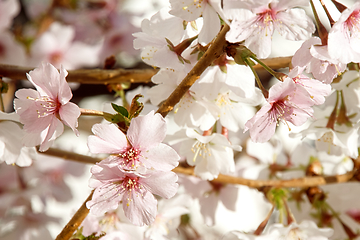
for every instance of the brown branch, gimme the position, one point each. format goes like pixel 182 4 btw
pixel 212 53
pixel 104 76
pixel 88 76
pixel 75 221
pixel 304 182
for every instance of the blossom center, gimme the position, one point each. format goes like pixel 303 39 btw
pixel 46 106
pixel 131 186
pixel 130 157
pixel 280 112
pixel 200 149
pixel 353 21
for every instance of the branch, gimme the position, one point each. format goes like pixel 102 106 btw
pixel 108 76
pixel 88 76
pixel 304 182
pixel 212 53
pixel 75 221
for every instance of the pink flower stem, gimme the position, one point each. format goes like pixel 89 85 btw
pixel 263 224
pixel 2 107
pixel 258 81
pixel 323 34
pixel 278 75
pixel 332 22
pixel 339 6
pixel 225 132
pixel 346 228
pixel 332 117
pixel 90 112
pixel 207 132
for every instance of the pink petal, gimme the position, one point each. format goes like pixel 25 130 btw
pixel 65 93
pixel 139 208
pixel 69 113
pixel 147 131
pixel 55 129
pixel 108 139
pixel 161 157
pixel 46 79
pixel 161 183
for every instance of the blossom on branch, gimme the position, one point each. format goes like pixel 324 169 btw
pixel 43 112
pixel 287 102
pixel 135 191
pixel 343 41
pixel 258 19
pixel 141 147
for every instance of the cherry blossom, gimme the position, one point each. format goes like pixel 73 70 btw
pixel 8 10
pixel 257 20
pixel 287 102
pixel 43 112
pixel 113 186
pixel 210 155
pixel 168 218
pixel 11 149
pixel 57 47
pixel 190 10
pixel 141 147
pixel 343 40
pixel 154 41
pixel 317 60
pixel 340 140
pixel 11 52
pixel 305 230
pixel 317 90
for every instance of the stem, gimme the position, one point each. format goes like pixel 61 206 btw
pixel 279 76
pixel 304 182
pixel 347 229
pixel 263 224
pixel 2 107
pixel 258 81
pixel 339 6
pixel 332 22
pixel 90 112
pixel 332 117
pixel 213 52
pixel 323 34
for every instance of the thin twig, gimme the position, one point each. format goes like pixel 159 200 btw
pixel 304 182
pixel 88 76
pixel 112 76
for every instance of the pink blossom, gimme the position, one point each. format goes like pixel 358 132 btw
pixel 343 40
pixel 44 111
pixel 317 60
pixel 58 47
pixel 258 19
pixel 287 102
pixel 8 10
pixel 317 90
pixel 190 10
pixel 135 191
pixel 140 147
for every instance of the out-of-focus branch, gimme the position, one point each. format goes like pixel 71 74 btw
pixel 75 221
pixel 105 76
pixel 304 182
pixel 88 76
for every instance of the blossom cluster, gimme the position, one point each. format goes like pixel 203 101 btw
pixel 138 167
pixel 256 147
